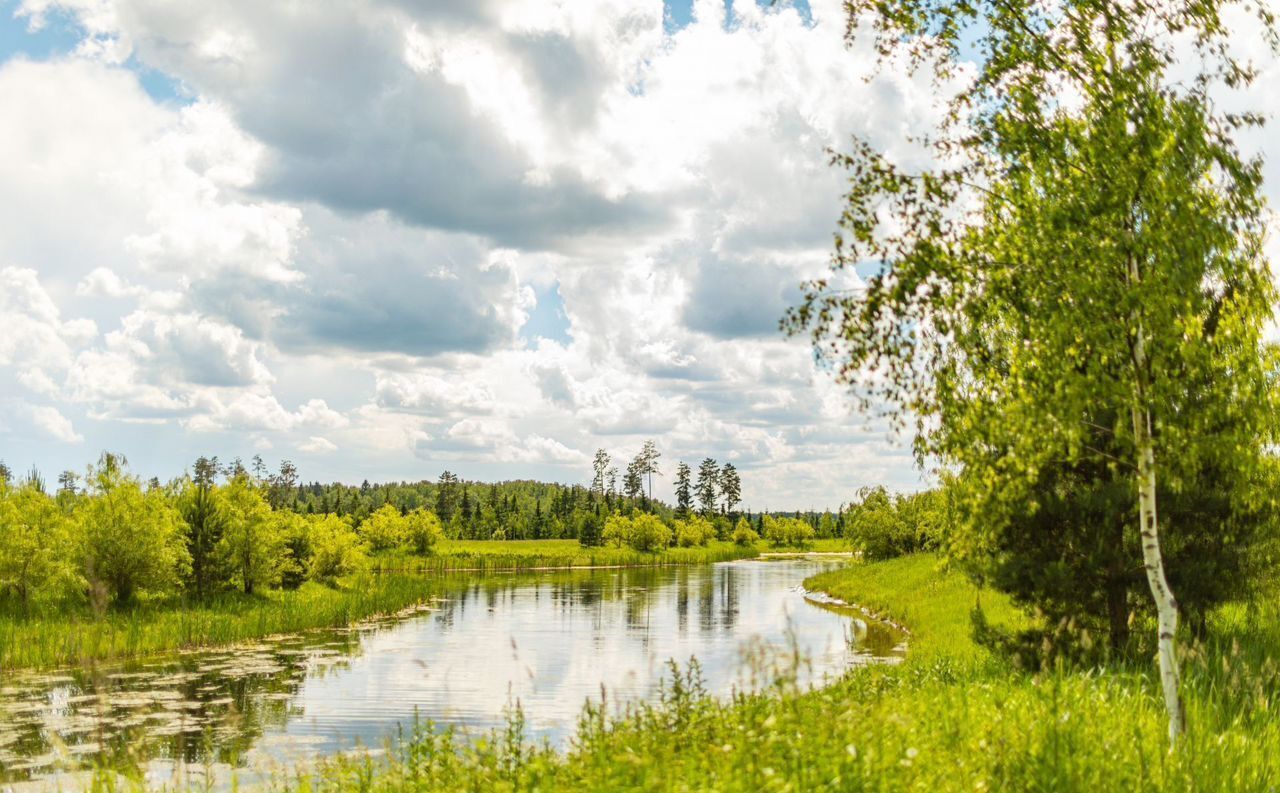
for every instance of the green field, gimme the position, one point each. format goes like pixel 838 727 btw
pixel 952 717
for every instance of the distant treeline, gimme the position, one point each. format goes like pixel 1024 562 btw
pixel 108 537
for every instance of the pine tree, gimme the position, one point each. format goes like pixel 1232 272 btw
pixel 684 490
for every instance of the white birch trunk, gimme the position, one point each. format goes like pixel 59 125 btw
pixel 1166 606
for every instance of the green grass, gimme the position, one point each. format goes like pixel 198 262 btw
pixel 950 718
pixel 82 637
pixel 508 555
pixel 934 605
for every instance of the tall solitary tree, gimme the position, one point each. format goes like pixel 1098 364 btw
pixel 447 496
pixel 730 487
pixel 707 486
pixel 649 455
pixel 684 490
pixel 600 470
pixel 633 482
pixel 1085 256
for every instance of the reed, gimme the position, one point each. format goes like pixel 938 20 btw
pixel 63 638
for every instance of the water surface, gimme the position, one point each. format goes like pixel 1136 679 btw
pixel 548 641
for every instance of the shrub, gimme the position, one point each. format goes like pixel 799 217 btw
pixel 250 541
pixel 335 548
pixel 131 541
pixel 883 527
pixel 33 540
pixel 385 529
pixel 790 532
pixel 423 530
pixel 644 532
pixel 694 531
pixel 743 534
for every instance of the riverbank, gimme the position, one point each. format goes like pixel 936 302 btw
pixel 952 717
pixel 496 556
pixel 82 638
pixel 52 637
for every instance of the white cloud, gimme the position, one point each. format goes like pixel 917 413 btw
pixel 55 424
pixel 268 272
pixel 317 445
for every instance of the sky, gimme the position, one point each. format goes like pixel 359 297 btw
pixel 387 238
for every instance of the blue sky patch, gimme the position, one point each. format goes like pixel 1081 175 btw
pixel 547 320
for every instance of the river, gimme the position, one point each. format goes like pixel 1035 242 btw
pixel 548 641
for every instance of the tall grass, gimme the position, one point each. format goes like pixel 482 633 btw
pixel 61 638
pixel 950 718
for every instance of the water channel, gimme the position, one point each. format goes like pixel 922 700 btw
pixel 547 640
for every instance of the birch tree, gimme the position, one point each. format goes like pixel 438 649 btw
pixel 1088 243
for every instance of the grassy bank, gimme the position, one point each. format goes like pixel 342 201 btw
pixel 514 555
pixel 82 637
pixel 951 718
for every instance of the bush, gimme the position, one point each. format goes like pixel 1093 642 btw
pixel 335 548
pixel 743 534
pixel 131 541
pixel 882 526
pixel 385 529
pixel 423 530
pixel 694 531
pixel 33 545
pixel 643 532
pixel 789 532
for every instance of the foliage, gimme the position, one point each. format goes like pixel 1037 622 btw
pixel 882 526
pixel 787 532
pixel 251 542
pixel 743 534
pixel 643 532
pixel 204 520
pixel 385 529
pixel 34 550
pixel 294 532
pixel 1070 553
pixel 696 530
pixel 1085 256
pixel 336 550
pixel 130 541
pixel 423 530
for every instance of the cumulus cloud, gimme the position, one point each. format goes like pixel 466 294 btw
pixel 347 259
pixel 317 445
pixel 54 424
